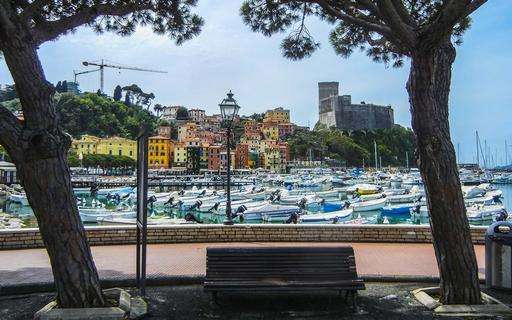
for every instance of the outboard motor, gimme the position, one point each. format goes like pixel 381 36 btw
pixel 335 220
pixel 346 205
pixel 383 196
pixel 203 193
pixel 169 202
pixel 196 205
pixel 152 199
pixel 294 218
pixel 240 210
pixel 215 207
pixel 94 190
pixel 302 203
pixel 322 201
pixel 191 217
pixel 419 198
pixel 502 216
pixel 182 192
pixel 496 198
pixel 417 209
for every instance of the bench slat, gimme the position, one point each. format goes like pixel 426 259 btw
pixel 281 269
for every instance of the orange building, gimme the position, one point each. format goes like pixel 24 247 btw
pixel 242 156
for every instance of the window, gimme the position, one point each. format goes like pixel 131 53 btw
pixel 120 152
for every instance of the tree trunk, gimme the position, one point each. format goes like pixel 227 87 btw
pixel 429 89
pixel 41 161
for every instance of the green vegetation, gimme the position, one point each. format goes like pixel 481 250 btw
pixel 104 161
pixel 100 116
pixel 323 143
pixel 12 105
pixel 9 93
pixel 3 155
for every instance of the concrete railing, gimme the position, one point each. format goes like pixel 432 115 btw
pixel 110 235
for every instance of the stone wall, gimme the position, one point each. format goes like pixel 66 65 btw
pixel 110 235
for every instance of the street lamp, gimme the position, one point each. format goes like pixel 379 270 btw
pixel 228 109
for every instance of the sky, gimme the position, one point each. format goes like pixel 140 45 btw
pixel 228 56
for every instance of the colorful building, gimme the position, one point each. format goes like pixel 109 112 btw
pixel 86 144
pixel 197 115
pixel 193 159
pixel 180 154
pixel 242 156
pixel 187 131
pixel 117 146
pixel 160 152
pixel 285 130
pixel 277 115
pixel 214 157
pixel 272 158
pixel 270 131
pixel 164 131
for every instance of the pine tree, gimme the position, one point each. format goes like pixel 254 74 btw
pixel 127 99
pixel 118 93
pixel 41 160
pixel 58 88
pixel 389 31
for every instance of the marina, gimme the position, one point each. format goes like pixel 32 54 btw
pixel 305 196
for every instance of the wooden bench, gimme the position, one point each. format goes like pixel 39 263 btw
pixel 282 269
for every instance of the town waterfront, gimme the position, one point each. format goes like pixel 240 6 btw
pixel 319 196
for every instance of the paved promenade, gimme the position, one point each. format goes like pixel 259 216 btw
pixel 185 260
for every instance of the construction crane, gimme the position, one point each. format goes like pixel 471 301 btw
pixel 103 65
pixel 76 73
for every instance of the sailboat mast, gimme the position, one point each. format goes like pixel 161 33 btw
pixel 375 150
pixel 477 150
pixel 506 153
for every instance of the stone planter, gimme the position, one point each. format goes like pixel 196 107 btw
pixel 127 307
pixel 491 308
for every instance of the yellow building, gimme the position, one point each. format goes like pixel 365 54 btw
pixel 271 132
pixel 86 145
pixel 277 115
pixel 273 160
pixel 180 155
pixel 117 146
pixel 160 150
pixel 266 144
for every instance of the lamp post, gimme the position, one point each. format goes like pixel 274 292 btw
pixel 228 109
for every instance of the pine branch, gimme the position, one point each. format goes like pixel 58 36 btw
pixel 50 30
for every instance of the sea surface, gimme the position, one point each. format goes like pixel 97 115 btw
pixel 370 217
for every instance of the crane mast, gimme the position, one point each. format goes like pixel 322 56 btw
pixel 104 65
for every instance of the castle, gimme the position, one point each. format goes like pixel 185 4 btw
pixel 339 111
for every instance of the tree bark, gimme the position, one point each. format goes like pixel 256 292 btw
pixel 40 157
pixel 429 89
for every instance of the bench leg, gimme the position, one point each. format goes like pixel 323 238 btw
pixel 215 297
pixel 354 299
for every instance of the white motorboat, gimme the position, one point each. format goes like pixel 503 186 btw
pixel 331 217
pixel 370 205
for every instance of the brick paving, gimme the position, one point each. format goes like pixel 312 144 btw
pixel 188 259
